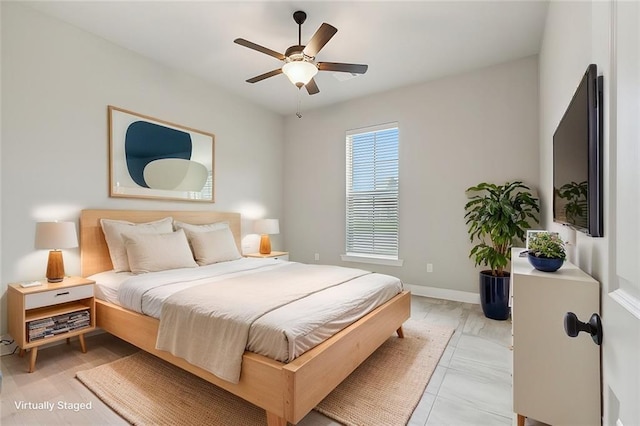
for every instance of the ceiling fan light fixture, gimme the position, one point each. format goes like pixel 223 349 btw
pixel 299 72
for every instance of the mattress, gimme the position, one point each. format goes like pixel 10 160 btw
pixel 281 334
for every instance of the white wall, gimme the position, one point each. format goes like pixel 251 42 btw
pixel 57 82
pixel 577 34
pixel 454 133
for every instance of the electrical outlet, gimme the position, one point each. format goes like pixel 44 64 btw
pixel 316 257
pixel 429 267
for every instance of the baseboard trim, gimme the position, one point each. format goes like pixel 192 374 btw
pixel 444 293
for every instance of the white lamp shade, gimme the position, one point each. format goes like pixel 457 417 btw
pixel 299 72
pixel 266 226
pixel 56 235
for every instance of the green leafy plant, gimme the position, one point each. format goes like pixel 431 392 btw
pixel 496 215
pixel 548 245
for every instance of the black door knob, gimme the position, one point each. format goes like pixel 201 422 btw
pixel 573 326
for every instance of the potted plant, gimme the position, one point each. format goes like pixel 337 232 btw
pixel 496 215
pixel 546 251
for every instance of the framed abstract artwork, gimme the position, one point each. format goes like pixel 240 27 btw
pixel 152 158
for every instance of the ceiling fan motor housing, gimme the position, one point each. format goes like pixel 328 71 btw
pixel 295 53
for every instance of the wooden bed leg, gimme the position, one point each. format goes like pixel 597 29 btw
pixel 400 332
pixel 521 420
pixel 274 420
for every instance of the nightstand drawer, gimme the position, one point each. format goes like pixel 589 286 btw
pixel 54 297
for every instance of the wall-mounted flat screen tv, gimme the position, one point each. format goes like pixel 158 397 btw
pixel 577 159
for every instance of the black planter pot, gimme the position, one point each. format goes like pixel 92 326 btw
pixel 494 295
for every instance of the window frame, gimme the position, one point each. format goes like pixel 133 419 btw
pixel 374 257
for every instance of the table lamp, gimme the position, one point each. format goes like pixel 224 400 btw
pixel 265 227
pixel 56 236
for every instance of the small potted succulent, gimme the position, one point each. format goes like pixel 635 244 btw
pixel 546 251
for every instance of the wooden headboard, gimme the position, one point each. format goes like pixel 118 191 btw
pixel 94 254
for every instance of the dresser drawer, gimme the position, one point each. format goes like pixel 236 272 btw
pixel 55 297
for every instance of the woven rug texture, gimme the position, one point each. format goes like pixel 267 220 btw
pixel 383 391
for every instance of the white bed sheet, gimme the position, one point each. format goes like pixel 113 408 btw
pixel 284 333
pixel 108 283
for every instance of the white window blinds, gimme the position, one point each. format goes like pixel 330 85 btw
pixel 372 191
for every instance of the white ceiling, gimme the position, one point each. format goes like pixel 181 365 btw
pixel 402 42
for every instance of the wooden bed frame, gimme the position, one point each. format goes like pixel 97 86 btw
pixel 286 391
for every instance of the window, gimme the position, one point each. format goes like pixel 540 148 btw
pixel 372 194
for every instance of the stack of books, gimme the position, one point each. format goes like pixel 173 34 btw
pixel 49 327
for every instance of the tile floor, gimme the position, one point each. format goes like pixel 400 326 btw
pixel 470 386
pixel 472 383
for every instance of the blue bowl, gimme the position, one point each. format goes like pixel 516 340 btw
pixel 544 264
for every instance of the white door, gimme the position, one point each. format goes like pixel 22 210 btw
pixel 621 301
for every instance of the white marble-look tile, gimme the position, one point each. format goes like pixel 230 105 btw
pixel 445 359
pixel 316 419
pixel 451 319
pixel 422 411
pixel 433 387
pixel 486 352
pixel 445 412
pixel 484 389
pixel 479 325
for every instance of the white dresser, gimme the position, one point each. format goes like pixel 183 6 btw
pixel 556 379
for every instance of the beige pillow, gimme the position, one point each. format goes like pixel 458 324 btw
pixel 158 252
pixel 213 246
pixel 113 230
pixel 188 227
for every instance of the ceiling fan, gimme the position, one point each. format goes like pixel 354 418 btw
pixel 300 65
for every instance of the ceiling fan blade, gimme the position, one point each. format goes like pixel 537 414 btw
pixel 262 49
pixel 319 39
pixel 340 67
pixel 312 87
pixel 265 75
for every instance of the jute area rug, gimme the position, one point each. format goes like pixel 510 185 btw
pixel 384 390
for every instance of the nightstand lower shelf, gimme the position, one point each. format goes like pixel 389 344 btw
pixel 50 313
pixel 33 348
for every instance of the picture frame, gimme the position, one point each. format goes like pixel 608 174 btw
pixel 532 232
pixel 156 159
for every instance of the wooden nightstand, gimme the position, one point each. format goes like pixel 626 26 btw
pixel 282 255
pixel 50 312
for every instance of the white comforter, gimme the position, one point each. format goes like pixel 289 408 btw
pixel 320 296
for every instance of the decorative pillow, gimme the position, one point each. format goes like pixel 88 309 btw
pixel 188 227
pixel 158 252
pixel 113 230
pixel 213 246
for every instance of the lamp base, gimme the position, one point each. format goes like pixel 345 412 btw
pixel 265 244
pixel 55 267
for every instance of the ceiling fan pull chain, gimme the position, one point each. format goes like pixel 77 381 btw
pixel 298 113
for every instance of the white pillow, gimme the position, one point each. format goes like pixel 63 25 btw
pixel 158 252
pixel 213 246
pixel 113 230
pixel 188 227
